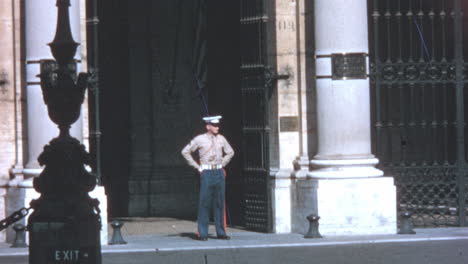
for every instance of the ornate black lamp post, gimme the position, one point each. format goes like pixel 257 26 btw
pixel 65 224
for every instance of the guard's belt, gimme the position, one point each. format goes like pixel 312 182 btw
pixel 211 166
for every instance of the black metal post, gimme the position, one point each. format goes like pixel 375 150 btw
pixel 20 233
pixel 460 85
pixel 117 238
pixel 92 22
pixel 406 224
pixel 65 224
pixel 313 231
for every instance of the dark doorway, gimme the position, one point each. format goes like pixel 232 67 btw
pixel 224 94
pixel 152 67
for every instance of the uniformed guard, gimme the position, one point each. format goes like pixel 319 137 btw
pixel 215 153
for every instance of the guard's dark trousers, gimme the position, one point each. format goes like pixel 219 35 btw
pixel 212 189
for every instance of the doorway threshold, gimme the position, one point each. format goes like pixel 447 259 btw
pixel 161 226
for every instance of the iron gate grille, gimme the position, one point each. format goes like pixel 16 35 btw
pixel 418 79
pixel 255 164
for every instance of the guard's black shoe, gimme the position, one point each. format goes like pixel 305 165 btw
pixel 225 237
pixel 202 238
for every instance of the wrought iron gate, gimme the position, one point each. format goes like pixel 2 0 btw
pixel 418 86
pixel 255 147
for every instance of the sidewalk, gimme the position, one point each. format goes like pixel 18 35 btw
pixel 244 239
pixel 174 236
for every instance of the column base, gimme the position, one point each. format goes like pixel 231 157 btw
pixel 345 168
pixel 2 212
pixel 19 195
pixel 31 172
pixel 100 194
pixel 281 201
pixel 347 206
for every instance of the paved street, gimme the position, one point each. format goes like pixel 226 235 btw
pixel 441 245
pixel 453 252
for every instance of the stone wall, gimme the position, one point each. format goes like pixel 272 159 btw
pixel 294 57
pixel 7 89
pixel 287 40
pixel 10 95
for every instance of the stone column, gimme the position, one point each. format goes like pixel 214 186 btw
pixel 351 195
pixel 343 105
pixel 18 86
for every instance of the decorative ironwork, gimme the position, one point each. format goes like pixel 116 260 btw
pixel 407 73
pixel 429 192
pixel 61 95
pixel 418 78
pixel 256 82
pixel 64 208
pixel 63 47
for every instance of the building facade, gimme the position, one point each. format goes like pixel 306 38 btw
pixel 312 93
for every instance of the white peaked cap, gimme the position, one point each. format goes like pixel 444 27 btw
pixel 212 119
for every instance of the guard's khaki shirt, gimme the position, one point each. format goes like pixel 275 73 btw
pixel 212 150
